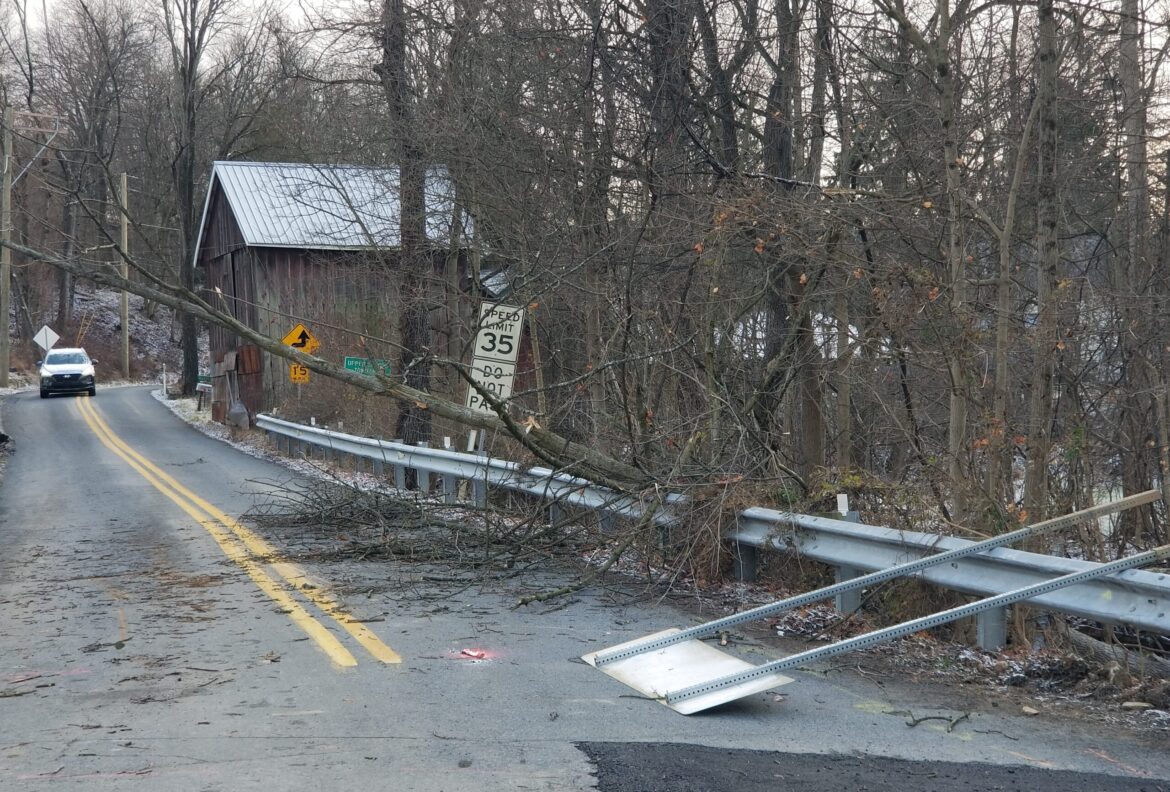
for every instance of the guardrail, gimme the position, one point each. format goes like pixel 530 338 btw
pixel 451 467
pixel 1138 598
pixel 1141 599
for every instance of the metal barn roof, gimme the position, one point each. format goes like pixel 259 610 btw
pixel 326 207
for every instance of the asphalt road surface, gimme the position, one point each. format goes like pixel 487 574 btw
pixel 150 640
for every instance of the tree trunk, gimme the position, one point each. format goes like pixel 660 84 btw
pixel 789 341
pixel 599 126
pixel 416 271
pixel 1131 279
pixel 65 278
pixel 724 104
pixel 957 435
pixel 1048 250
pixel 998 485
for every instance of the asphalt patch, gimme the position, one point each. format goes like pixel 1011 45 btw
pixel 676 767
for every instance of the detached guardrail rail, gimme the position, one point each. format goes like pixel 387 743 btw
pixel 1137 598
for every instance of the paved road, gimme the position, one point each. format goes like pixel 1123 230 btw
pixel 149 641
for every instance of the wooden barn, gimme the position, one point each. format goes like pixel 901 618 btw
pixel 284 244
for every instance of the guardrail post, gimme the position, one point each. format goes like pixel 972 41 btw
pixel 555 513
pixel 450 488
pixel 423 476
pixel 400 477
pixel 376 467
pixel 745 562
pixel 479 488
pixel 848 601
pixel 991 629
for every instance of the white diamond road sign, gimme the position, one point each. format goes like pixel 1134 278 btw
pixel 45 338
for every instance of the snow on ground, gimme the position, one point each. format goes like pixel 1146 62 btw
pixel 155 340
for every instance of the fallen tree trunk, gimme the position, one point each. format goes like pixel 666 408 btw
pixel 1137 664
pixel 560 452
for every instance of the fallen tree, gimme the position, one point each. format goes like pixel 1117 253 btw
pixel 559 452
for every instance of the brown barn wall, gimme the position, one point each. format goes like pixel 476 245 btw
pixel 349 301
pixel 350 306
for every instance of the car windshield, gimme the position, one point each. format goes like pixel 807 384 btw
pixel 61 358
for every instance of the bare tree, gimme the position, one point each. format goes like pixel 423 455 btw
pixel 216 64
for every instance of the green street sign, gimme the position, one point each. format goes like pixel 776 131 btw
pixel 367 366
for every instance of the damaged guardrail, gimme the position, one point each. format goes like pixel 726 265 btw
pixel 1141 599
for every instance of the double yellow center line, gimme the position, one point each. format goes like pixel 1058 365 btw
pixel 250 553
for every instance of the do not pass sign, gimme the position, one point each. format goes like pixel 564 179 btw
pixel 493 365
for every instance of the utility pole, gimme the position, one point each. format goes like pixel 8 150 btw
pixel 5 253
pixel 124 246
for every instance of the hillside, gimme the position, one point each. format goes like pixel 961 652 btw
pixel 96 325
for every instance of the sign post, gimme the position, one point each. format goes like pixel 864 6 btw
pixel 493 363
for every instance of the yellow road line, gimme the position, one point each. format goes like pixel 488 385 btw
pixel 229 543
pixel 260 548
pixel 362 634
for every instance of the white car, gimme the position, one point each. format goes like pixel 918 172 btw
pixel 67 371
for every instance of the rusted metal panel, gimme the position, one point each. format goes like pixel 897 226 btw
pixel 248 359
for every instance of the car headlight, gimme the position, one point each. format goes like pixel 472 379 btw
pixel 87 379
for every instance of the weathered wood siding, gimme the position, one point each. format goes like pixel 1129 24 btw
pixel 349 300
pixel 225 259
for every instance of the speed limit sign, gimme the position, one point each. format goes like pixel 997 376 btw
pixel 298 374
pixel 493 365
pixel 499 333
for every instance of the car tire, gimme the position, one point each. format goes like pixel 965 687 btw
pixel 92 392
pixel 44 394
